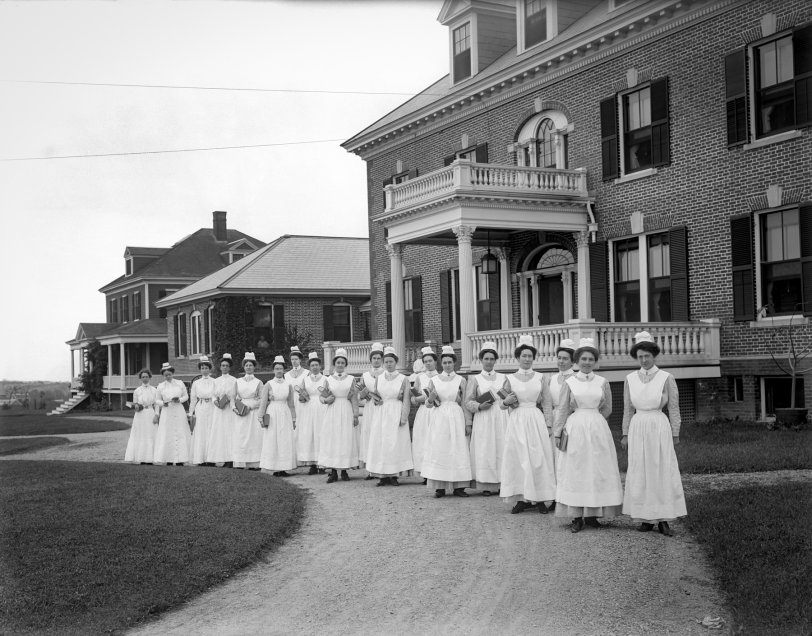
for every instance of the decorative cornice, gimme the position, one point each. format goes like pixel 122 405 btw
pixel 395 250
pixel 507 87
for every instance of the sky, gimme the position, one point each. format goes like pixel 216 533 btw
pixel 65 222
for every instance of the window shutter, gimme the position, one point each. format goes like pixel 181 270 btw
pixel 482 153
pixel 805 218
pixel 802 59
pixel 176 329
pixel 741 260
pixel 660 127
pixel 417 309
pixel 278 326
pixel 413 173
pixel 678 247
pixel 445 306
pixel 609 138
pixel 327 313
pixel 388 292
pixel 599 280
pixel 736 96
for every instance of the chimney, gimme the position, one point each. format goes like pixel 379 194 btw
pixel 220 233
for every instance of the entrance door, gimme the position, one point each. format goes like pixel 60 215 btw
pixel 550 300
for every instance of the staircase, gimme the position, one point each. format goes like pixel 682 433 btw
pixel 67 405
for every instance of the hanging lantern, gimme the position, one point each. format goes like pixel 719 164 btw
pixel 489 263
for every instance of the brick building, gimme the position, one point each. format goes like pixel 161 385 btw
pixel 135 333
pixel 593 168
pixel 318 285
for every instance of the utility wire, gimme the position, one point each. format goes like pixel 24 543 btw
pixel 163 152
pixel 216 88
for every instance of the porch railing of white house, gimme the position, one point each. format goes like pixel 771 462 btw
pixel 131 382
pixel 358 354
pixel 466 176
pixel 680 343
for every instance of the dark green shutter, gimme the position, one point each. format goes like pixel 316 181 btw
pixel 741 260
pixel 327 321
pixel 609 151
pixel 417 309
pixel 599 280
pixel 805 220
pixel 482 153
pixel 802 59
pixel 176 329
pixel 678 249
pixel 278 326
pixel 388 292
pixel 446 305
pixel 736 97
pixel 660 127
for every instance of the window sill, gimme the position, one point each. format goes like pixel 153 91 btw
pixel 779 321
pixel 634 176
pixel 773 139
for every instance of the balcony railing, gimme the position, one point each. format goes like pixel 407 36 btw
pixel 681 343
pixel 358 354
pixel 465 177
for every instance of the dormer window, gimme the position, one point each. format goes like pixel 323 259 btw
pixel 462 52
pixel 535 22
pixel 128 266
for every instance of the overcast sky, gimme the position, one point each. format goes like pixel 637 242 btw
pixel 66 222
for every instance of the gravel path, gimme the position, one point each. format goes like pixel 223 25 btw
pixel 390 560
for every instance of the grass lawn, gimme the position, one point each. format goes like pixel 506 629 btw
pixel 736 447
pixel 758 540
pixel 92 548
pixel 28 444
pixel 41 424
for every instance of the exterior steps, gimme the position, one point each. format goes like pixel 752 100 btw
pixel 67 405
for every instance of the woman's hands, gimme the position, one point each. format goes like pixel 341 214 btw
pixel 328 400
pixel 354 418
pixel 624 442
pixel 156 419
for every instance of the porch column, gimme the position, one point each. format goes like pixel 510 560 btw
pixel 109 366
pixel 584 286
pixel 147 361
pixel 522 299
pixel 504 289
pixel 397 301
pixel 566 282
pixel 532 302
pixel 465 234
pixel 122 366
pixel 72 366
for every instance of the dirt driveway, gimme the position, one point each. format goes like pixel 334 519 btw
pixel 372 560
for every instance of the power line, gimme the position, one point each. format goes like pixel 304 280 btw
pixel 163 152
pixel 215 88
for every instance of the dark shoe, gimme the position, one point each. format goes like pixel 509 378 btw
pixel 460 492
pixel 322 471
pixel 577 525
pixel 344 476
pixel 592 522
pixel 542 508
pixel 333 477
pixel 425 481
pixel 384 481
pixel 257 468
pixel 178 463
pixel 520 506
pixel 486 493
pixel 228 465
pixel 439 493
pixel 645 527
pixel 368 477
pixel 664 529
pixel 551 507
pixel 313 470
pixel 393 481
pixel 282 473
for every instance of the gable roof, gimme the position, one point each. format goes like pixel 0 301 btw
pixel 290 265
pixel 145 251
pixel 101 330
pixel 194 256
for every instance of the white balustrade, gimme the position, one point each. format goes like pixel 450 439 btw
pixel 465 176
pixel 358 354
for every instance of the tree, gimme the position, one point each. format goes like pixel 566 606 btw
pixel 92 378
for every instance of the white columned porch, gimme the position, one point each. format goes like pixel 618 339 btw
pixel 109 365
pixel 465 234
pixel 122 367
pixel 147 361
pixel 72 365
pixel 397 301
pixel 584 299
pixel 505 296
pixel 566 282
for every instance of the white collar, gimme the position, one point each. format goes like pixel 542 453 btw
pixel 525 372
pixel 340 376
pixel 650 373
pixel 569 371
pixel 488 374
pixel 247 377
pixel 449 375
pixel 585 376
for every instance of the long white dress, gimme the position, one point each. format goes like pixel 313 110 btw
pixel 488 431
pixel 367 415
pixel 296 377
pixel 422 420
pixel 589 479
pixel 141 444
pixel 219 449
pixel 201 406
pixel 653 483
pixel 446 460
pixel 551 409
pixel 390 446
pixel 173 439
pixel 309 421
pixel 528 471
pixel 247 441
pixel 338 446
pixel 278 440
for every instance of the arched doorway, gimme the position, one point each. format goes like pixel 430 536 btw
pixel 547 286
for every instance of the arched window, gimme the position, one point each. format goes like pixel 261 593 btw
pixel 545 144
pixel 542 141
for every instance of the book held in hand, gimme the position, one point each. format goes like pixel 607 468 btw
pixel 502 393
pixel 486 398
pixel 129 405
pixel 240 408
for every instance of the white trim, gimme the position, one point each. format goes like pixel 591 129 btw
pixel 346 304
pixel 634 176
pixel 471 20
pixel 196 343
pixel 779 321
pixel 210 331
pixel 551 17
pixel 751 94
pixel 773 139
pixel 146 301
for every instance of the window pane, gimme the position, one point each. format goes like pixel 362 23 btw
pixel 627 302
pixel 535 22
pixel 781 287
pixel 408 301
pixel 659 257
pixel 341 323
pixel 262 317
pixel 659 300
pixel 645 107
pixel 784 69
pixel 546 144
pixel 767 65
pixel 780 236
pixel 627 260
pixel 792 235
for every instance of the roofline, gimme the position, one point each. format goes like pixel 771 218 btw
pixel 530 73
pixel 262 291
pixel 149 281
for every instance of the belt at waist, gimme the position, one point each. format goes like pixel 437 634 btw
pixel 527 405
pixel 648 410
pixel 584 408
